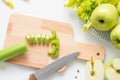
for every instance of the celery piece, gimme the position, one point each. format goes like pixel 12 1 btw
pixel 9 3
pixel 33 38
pixel 55 55
pixel 52 51
pixel 86 26
pixel 28 38
pixel 56 43
pixel 39 38
pixel 13 51
pixel 54 34
pixel 43 38
pixel 47 40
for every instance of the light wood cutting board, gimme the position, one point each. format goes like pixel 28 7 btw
pixel 20 25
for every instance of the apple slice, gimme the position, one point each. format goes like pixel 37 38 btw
pixel 94 70
pixel 113 69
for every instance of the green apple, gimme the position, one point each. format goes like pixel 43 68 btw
pixel 115 36
pixel 103 18
pixel 112 69
pixel 94 70
pixel 118 8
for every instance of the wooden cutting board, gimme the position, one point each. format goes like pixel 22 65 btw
pixel 20 25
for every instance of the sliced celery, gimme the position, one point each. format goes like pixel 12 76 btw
pixel 28 38
pixel 47 41
pixel 39 38
pixel 52 51
pixel 56 43
pixel 56 54
pixel 31 38
pixel 53 35
pixel 43 38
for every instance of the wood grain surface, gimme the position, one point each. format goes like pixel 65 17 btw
pixel 20 25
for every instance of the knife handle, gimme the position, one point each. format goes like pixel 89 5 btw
pixel 61 69
pixel 32 77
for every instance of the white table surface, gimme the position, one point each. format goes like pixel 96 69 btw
pixel 54 10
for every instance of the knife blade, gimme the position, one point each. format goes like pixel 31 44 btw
pixel 53 67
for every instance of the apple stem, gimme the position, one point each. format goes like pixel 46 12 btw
pixel 92 73
pixel 118 71
pixel 92 63
pixel 86 26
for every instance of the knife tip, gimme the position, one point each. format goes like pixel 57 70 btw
pixel 76 53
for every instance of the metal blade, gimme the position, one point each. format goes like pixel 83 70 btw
pixel 53 67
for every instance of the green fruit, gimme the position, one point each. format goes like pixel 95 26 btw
pixel 112 69
pixel 94 70
pixel 115 36
pixel 104 17
pixel 118 8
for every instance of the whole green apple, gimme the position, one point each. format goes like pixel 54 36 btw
pixel 103 18
pixel 115 36
pixel 118 8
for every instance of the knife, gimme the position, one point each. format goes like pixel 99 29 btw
pixel 53 67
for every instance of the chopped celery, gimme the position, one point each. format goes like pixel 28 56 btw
pixel 9 3
pixel 47 41
pixel 56 54
pixel 31 38
pixel 55 42
pixel 39 38
pixel 53 35
pixel 28 38
pixel 43 38
pixel 52 51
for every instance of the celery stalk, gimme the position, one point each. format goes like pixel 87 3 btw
pixel 86 26
pixel 13 51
